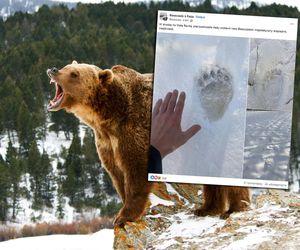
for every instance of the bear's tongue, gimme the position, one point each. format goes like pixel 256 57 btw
pixel 57 98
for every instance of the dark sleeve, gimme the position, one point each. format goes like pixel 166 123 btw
pixel 154 164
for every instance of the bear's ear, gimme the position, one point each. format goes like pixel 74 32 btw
pixel 74 62
pixel 106 76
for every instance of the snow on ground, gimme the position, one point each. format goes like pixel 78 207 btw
pixel 52 143
pixel 172 190
pixel 242 231
pixel 189 227
pixel 4 140
pixel 101 240
pixel 155 200
pixel 267 145
pixel 250 240
pixel 271 74
pixel 26 215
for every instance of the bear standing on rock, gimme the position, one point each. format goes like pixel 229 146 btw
pixel 116 104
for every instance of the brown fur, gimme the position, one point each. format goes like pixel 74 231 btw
pixel 223 200
pixel 116 104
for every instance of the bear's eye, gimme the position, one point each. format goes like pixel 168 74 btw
pixel 74 74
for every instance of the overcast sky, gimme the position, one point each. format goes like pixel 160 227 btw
pixel 287 2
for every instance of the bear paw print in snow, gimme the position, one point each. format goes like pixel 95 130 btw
pixel 215 90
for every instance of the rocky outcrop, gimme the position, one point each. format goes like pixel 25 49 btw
pixel 272 223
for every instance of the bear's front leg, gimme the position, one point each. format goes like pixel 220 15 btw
pixel 137 190
pixel 106 156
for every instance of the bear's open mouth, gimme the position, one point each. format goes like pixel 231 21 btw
pixel 59 95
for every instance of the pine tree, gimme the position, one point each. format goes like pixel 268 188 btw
pixel 4 190
pixel 107 184
pixel 89 148
pixel 47 180
pixel 14 175
pixel 26 133
pixel 10 100
pixel 73 184
pixel 36 175
pixel 92 174
pixel 64 122
pixel 41 177
pixel 111 208
pixel 59 209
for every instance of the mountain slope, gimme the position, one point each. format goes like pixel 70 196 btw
pixel 9 7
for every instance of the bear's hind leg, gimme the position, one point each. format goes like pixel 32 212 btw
pixel 214 201
pixel 238 199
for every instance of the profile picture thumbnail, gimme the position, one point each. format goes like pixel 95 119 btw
pixel 163 16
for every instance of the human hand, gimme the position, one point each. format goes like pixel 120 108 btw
pixel 166 131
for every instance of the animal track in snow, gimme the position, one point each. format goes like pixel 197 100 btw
pixel 214 86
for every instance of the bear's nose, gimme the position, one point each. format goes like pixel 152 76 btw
pixel 54 70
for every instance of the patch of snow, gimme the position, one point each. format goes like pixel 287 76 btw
pixel 82 130
pixel 248 229
pixel 251 239
pixel 154 216
pixel 267 145
pixel 69 211
pixel 290 220
pixel 170 189
pixel 4 140
pixel 189 226
pixel 54 142
pixel 101 240
pixel 155 200
pixel 166 244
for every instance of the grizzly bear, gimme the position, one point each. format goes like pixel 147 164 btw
pixel 116 104
pixel 223 200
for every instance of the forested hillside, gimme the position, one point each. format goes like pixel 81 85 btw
pixel 103 34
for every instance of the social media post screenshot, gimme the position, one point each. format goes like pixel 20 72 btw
pixel 226 82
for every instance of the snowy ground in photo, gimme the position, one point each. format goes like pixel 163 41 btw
pixel 271 74
pixel 267 145
pixel 103 240
pixel 217 149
